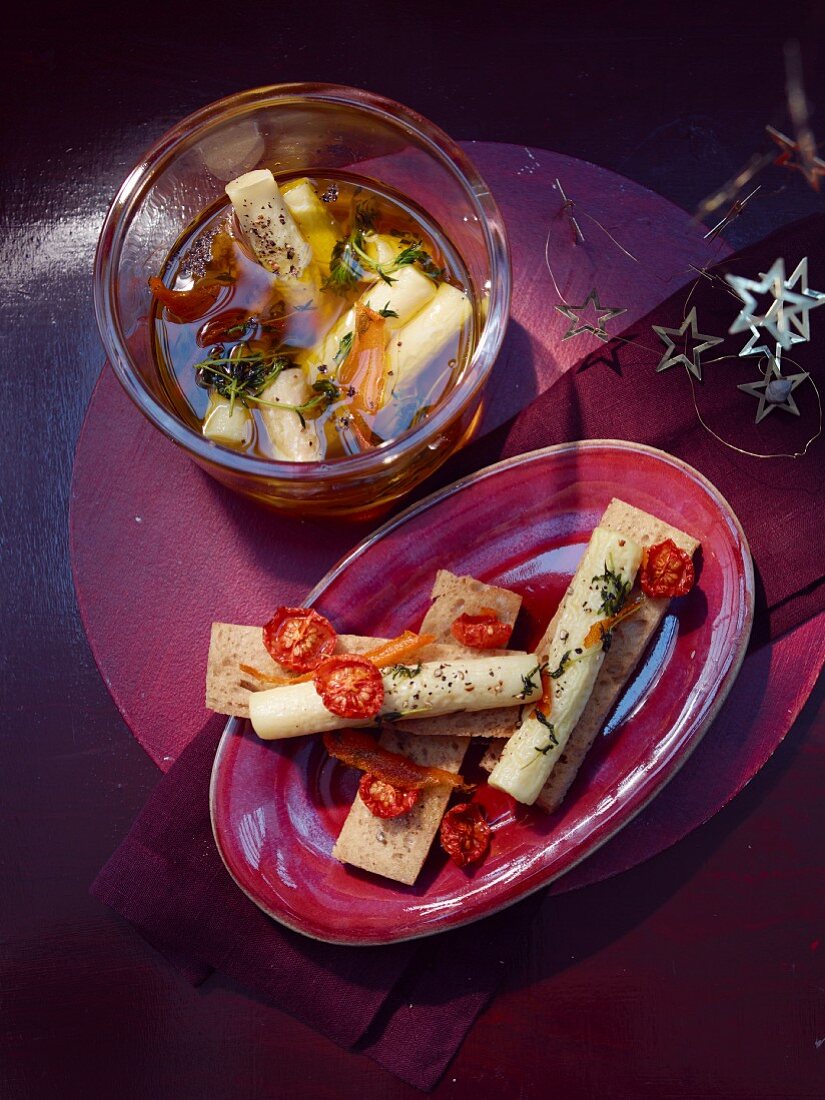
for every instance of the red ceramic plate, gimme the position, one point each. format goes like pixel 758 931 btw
pixel 523 523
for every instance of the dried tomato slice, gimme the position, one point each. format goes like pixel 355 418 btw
pixel 383 799
pixel 666 570
pixel 361 750
pixel 481 631
pixel 185 305
pixel 465 834
pixel 349 686
pixel 299 638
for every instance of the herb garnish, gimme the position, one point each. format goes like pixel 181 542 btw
pixel 245 373
pixel 552 740
pixel 241 375
pixel 387 312
pixel 614 591
pixel 344 348
pixel 563 665
pixel 528 683
pixel 403 672
pixel 350 260
pixel 325 393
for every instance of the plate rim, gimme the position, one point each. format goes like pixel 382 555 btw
pixel 233 725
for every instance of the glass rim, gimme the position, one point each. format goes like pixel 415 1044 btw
pixel 130 194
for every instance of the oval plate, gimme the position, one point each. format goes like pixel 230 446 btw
pixel 523 524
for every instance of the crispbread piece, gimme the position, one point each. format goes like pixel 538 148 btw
pixel 396 848
pixel 630 639
pixel 228 689
pixel 454 596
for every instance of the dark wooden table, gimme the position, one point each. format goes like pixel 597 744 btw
pixel 700 973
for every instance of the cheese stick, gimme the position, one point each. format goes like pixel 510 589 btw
pixel 292 441
pixel 602 580
pixel 225 422
pixel 438 687
pixel 432 331
pixel 406 296
pixel 313 217
pixel 268 225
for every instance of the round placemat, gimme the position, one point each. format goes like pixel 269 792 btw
pixel 159 550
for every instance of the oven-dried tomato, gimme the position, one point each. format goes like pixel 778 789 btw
pixel 360 750
pixel 185 305
pixel 383 799
pixel 350 686
pixel 299 638
pixel 465 834
pixel 485 631
pixel 666 570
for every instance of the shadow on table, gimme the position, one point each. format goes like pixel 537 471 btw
pixel 593 917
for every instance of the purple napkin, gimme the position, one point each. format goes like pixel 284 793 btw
pixel 409 1005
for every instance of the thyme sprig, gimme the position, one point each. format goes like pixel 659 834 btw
pixel 325 393
pixel 528 684
pixel 403 672
pixel 613 591
pixel 241 375
pixel 245 373
pixel 350 260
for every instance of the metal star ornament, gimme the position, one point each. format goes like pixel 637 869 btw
pixel 799 156
pixel 690 356
pixel 580 325
pixel 787 308
pixel 775 391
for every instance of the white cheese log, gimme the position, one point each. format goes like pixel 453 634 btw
pixel 224 423
pixel 313 218
pixel 381 248
pixel 441 687
pixel 408 294
pixel 268 225
pixel 531 752
pixel 433 330
pixel 291 441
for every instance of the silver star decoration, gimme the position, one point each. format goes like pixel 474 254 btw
pixel 787 308
pixel 603 314
pixel 767 347
pixel 700 343
pixel 803 323
pixel 775 391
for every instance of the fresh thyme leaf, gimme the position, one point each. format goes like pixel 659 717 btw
pixel 325 392
pixel 543 720
pixel 528 683
pixel 403 672
pixel 387 312
pixel 344 348
pixel 328 388
pixel 563 664
pixel 613 591
pixel 344 268
pixel 366 216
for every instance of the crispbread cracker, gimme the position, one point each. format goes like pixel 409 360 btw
pixel 396 848
pixel 230 646
pixel 453 596
pixel 630 639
